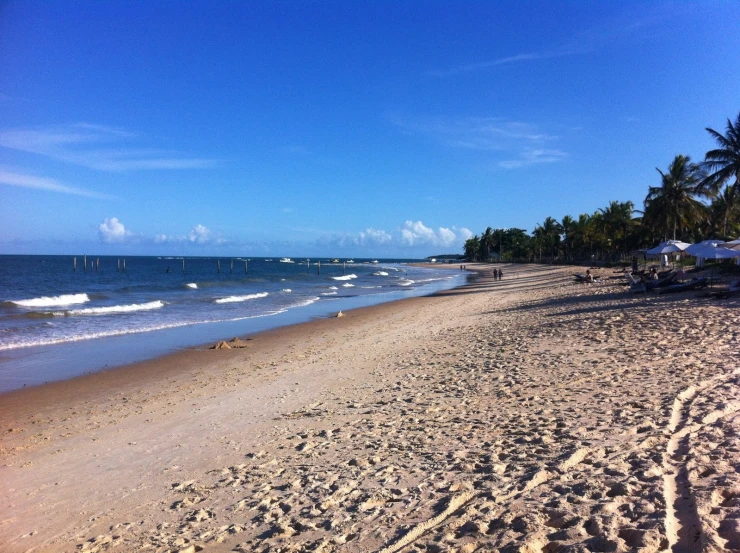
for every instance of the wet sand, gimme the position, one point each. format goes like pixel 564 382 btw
pixel 529 414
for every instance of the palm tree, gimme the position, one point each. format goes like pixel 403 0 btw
pixel 567 224
pixel 549 235
pixel 722 163
pixel 725 209
pixel 616 220
pixel 472 248
pixel 488 241
pixel 672 206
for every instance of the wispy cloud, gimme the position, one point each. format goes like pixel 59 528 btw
pixel 510 60
pixel 584 42
pixel 96 147
pixel 520 143
pixel 532 157
pixel 43 183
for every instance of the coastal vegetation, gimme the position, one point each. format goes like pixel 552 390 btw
pixel 690 202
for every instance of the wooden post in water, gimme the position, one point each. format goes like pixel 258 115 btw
pixel 218 266
pixel 183 264
pixel 232 266
pixel 308 265
pixel 118 265
pixel 344 267
pixel 245 266
pixel 85 262
pixel 97 264
pixel 318 268
pixel 124 264
pixel 74 264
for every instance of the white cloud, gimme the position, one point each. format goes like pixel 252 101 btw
pixel 408 237
pixel 465 233
pixel 414 233
pixel 112 231
pixel 446 236
pixel 373 236
pixel 199 234
pixel 96 147
pixel 42 183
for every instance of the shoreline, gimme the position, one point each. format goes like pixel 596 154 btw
pixel 499 415
pixel 170 364
pixel 22 367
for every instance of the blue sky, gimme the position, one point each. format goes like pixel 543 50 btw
pixel 334 128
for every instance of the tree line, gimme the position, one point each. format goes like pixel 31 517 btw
pixel 690 202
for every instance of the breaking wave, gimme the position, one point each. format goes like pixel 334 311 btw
pixel 345 277
pixel 53 301
pixel 112 309
pixel 234 299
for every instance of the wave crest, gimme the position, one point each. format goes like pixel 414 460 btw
pixel 234 299
pixel 113 309
pixel 52 301
pixel 345 277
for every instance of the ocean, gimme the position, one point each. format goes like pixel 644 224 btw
pixel 57 322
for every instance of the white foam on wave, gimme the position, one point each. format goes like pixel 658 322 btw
pixel 348 285
pixel 405 282
pixel 123 332
pixel 304 303
pixel 53 301
pixel 345 277
pixel 380 273
pixel 192 285
pixel 113 309
pixel 333 288
pixel 328 293
pixel 234 299
pixel 287 290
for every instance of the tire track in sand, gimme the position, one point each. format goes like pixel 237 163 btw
pixel 683 524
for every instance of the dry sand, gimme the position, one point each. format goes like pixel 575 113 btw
pixel 531 414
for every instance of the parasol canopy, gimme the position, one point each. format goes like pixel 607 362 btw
pixel 669 246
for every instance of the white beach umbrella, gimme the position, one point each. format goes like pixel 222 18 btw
pixel 711 249
pixel 705 246
pixel 719 253
pixel 670 246
pixel 733 244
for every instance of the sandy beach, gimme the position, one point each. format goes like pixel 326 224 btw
pixel 530 414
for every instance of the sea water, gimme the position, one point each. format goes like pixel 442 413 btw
pixel 57 322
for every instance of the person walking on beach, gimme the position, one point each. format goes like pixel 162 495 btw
pixel 500 274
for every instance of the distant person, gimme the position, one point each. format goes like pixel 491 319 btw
pixel 634 263
pixel 500 274
pixel 589 277
pixel 654 274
